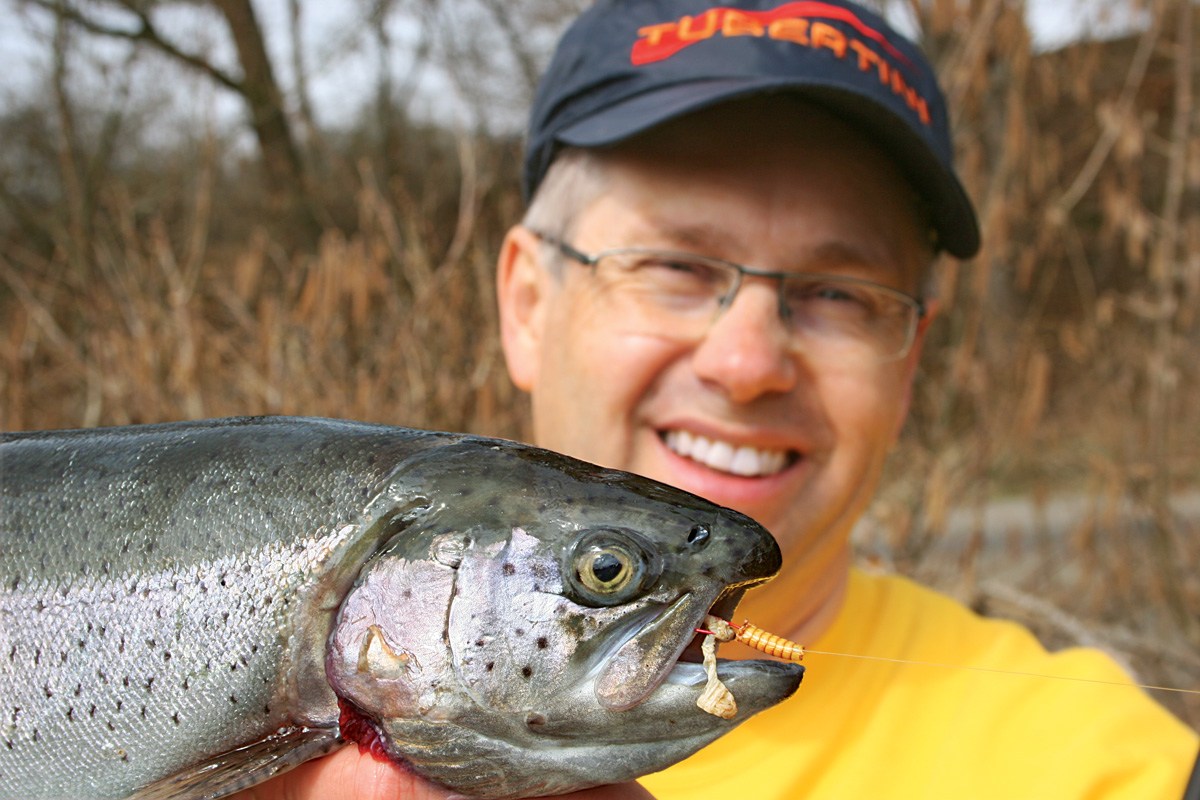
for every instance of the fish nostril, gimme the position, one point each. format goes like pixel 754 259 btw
pixel 535 720
pixel 698 536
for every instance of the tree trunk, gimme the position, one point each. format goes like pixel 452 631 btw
pixel 283 170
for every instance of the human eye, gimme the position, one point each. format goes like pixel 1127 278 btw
pixel 833 295
pixel 675 266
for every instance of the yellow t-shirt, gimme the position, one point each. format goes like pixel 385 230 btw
pixel 869 730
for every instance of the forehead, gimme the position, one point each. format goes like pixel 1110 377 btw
pixel 766 179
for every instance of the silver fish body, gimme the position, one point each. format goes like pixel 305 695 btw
pixel 188 609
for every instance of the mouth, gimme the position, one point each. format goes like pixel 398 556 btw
pixel 723 456
pixel 654 651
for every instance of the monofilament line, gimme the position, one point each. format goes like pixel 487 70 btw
pixel 1007 672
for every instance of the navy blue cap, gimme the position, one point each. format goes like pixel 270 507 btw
pixel 625 66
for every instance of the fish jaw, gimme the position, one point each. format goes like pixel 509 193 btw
pixel 532 754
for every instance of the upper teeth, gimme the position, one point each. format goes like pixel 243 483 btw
pixel 725 456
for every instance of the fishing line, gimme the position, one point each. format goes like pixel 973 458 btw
pixel 1007 672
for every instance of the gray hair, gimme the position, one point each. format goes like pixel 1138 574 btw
pixel 575 179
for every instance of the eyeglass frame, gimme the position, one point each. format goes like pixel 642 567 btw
pixel 917 303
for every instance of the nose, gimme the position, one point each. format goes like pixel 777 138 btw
pixel 746 351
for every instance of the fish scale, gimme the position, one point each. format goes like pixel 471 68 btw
pixel 183 607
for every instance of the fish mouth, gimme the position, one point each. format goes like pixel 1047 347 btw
pixel 649 652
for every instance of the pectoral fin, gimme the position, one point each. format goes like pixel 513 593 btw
pixel 243 767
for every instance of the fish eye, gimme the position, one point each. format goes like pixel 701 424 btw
pixel 605 570
pixel 608 567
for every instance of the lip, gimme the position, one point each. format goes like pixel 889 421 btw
pixel 655 647
pixel 735 491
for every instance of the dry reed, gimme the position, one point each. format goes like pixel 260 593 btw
pixel 1061 366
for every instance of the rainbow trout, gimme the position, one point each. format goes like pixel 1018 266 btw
pixel 189 609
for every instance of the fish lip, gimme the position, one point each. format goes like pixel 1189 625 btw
pixel 644 660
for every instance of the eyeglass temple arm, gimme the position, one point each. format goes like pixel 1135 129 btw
pixel 566 249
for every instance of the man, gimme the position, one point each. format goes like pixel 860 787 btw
pixel 720 284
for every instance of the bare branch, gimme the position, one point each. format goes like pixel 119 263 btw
pixel 145 32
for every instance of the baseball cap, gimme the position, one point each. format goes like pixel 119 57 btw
pixel 625 66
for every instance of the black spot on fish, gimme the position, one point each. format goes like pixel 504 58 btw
pixel 526 671
pixel 111 727
pixel 37 654
pixel 233 699
pixel 70 714
pixel 119 704
pixel 542 643
pixel 166 655
pixel 489 665
pixel 175 718
pixel 520 631
pixel 267 708
pixel 92 710
pixel 479 642
pixel 143 712
pixel 149 683
pixel 509 569
pixel 186 686
pixel 47 690
pixel 12 654
pixel 78 689
pixel 121 646
pixel 125 681
pixel 16 582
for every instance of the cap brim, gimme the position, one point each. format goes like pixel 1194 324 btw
pixel 949 207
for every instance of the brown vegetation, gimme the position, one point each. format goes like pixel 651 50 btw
pixel 1062 364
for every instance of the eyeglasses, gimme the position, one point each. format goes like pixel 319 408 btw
pixel 678 296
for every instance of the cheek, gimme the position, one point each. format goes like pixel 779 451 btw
pixel 592 382
pixel 865 413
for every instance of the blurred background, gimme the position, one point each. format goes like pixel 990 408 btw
pixel 227 207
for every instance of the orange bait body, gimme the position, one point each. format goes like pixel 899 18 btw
pixel 769 643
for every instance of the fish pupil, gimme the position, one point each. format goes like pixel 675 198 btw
pixel 607 568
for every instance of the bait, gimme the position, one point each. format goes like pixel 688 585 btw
pixel 769 643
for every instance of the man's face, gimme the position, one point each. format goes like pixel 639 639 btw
pixel 774 189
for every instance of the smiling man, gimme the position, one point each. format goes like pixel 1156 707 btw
pixel 721 284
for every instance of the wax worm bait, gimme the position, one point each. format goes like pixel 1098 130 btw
pixel 752 636
pixel 769 643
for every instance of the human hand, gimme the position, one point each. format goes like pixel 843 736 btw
pixel 350 775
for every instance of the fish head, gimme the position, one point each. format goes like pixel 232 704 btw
pixel 524 634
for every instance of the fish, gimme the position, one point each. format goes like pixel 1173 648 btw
pixel 188 609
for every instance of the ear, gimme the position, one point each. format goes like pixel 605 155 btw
pixel 912 360
pixel 522 286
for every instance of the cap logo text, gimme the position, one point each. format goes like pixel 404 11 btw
pixel 799 22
